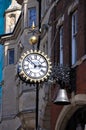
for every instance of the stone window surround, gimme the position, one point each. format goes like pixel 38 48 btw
pixel 73 6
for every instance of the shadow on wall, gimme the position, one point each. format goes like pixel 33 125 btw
pixel 4 4
pixel 78 120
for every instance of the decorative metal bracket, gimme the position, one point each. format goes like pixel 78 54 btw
pixel 60 74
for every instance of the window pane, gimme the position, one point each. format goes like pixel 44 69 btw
pixel 74 23
pixel 61 45
pixel 74 34
pixel 11 56
pixel 32 16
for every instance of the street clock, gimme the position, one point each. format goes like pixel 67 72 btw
pixel 34 66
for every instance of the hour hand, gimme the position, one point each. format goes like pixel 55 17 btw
pixel 41 66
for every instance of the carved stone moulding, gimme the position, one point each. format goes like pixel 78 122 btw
pixel 27 119
pixel 20 1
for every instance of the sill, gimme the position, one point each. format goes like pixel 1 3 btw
pixel 83 58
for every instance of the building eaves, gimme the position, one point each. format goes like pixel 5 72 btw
pixel 12 35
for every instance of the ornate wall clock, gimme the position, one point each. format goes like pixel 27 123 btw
pixel 34 66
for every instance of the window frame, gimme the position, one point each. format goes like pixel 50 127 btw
pixel 74 30
pixel 10 58
pixel 61 59
pixel 30 19
pixel 12 18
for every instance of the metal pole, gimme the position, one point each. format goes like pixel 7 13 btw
pixel 37 104
pixel 38 45
pixel 37 85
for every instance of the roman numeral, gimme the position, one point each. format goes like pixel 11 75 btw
pixel 35 57
pixel 42 71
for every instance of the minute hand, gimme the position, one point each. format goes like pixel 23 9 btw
pixel 30 61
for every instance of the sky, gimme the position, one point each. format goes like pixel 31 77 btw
pixel 4 4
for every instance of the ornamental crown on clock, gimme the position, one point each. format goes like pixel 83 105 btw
pixel 34 66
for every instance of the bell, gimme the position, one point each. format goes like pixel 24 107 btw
pixel 62 98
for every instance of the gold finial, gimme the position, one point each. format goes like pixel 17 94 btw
pixel 33 40
pixel 33 25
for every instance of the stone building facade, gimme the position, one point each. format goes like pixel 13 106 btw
pixel 19 98
pixel 63 40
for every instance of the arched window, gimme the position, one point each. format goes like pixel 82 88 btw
pixel 78 120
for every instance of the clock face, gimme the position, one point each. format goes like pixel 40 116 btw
pixel 35 66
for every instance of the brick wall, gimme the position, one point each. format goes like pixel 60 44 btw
pixel 81 78
pixel 62 9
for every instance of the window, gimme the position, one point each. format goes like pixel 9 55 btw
pixel 80 120
pixel 11 56
pixel 12 22
pixel 61 45
pixel 74 34
pixel 32 15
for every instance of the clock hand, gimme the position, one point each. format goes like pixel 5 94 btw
pixel 30 61
pixel 41 66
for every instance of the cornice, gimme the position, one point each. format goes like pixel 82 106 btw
pixel 20 1
pixel 12 35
